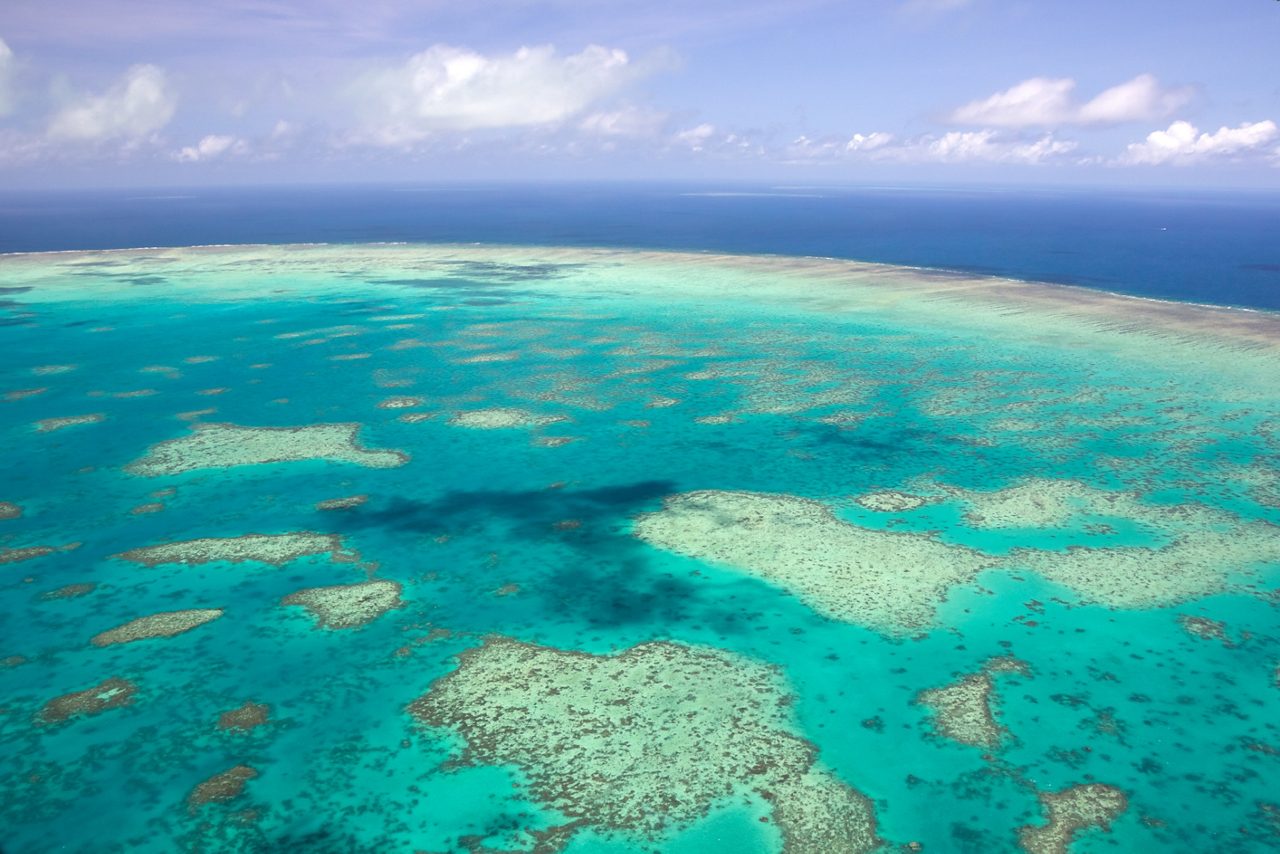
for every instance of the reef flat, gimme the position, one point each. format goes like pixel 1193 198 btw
pixel 347 606
pixel 650 737
pixel 163 625
pixel 885 579
pixel 963 709
pixel 1070 811
pixel 110 694
pixel 525 549
pixel 213 446
pixel 501 419
pixel 276 549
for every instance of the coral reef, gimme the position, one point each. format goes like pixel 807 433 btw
pixel 226 445
pixel 166 624
pixel 1070 811
pixel 110 694
pixel 647 739
pixel 277 549
pixel 347 606
pixel 888 580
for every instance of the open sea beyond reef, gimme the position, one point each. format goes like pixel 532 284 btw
pixel 601 521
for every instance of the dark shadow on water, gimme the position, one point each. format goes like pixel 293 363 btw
pixel 510 273
pixel 477 292
pixel 145 279
pixel 622 592
pixel 878 443
pixel 528 512
pixel 609 578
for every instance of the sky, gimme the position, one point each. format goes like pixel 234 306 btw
pixel 791 92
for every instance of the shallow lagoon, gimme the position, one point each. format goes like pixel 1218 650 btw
pixel 982 553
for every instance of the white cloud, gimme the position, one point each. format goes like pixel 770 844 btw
pixel 696 137
pixel 6 79
pixel 1048 102
pixel 1183 143
pixel 988 146
pixel 446 88
pixel 981 146
pixel 211 148
pixel 868 142
pixel 137 104
pixel 626 121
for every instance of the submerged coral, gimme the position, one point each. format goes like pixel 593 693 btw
pixel 891 581
pixel 501 418
pixel 245 718
pixel 1068 812
pixel 963 710
pixel 48 425
pixel 110 694
pixel 647 739
pixel 347 606
pixel 277 549
pixel 226 445
pixel 163 625
pixel 225 786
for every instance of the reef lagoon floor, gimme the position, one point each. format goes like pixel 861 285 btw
pixel 401 548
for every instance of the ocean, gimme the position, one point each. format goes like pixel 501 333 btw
pixel 1200 246
pixel 610 522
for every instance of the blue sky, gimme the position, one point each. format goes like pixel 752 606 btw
pixel 120 92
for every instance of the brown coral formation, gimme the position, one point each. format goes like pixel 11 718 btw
pixel 48 425
pixel 222 787
pixel 26 553
pixel 228 445
pixel 111 694
pixel 275 549
pixel 245 718
pixel 647 739
pixel 23 393
pixel 964 710
pixel 347 606
pixel 166 624
pixel 892 501
pixel 401 402
pixel 346 503
pixel 1069 812
pixel 1205 628
pixel 69 591
pixel 9 510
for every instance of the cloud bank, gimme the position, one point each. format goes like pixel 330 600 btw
pixel 137 104
pixel 1183 144
pixel 625 121
pixel 1050 102
pixel 212 147
pixel 447 88
pixel 981 146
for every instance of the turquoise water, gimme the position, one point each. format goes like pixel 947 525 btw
pixel 514 532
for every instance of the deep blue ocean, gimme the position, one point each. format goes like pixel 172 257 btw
pixel 1216 247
